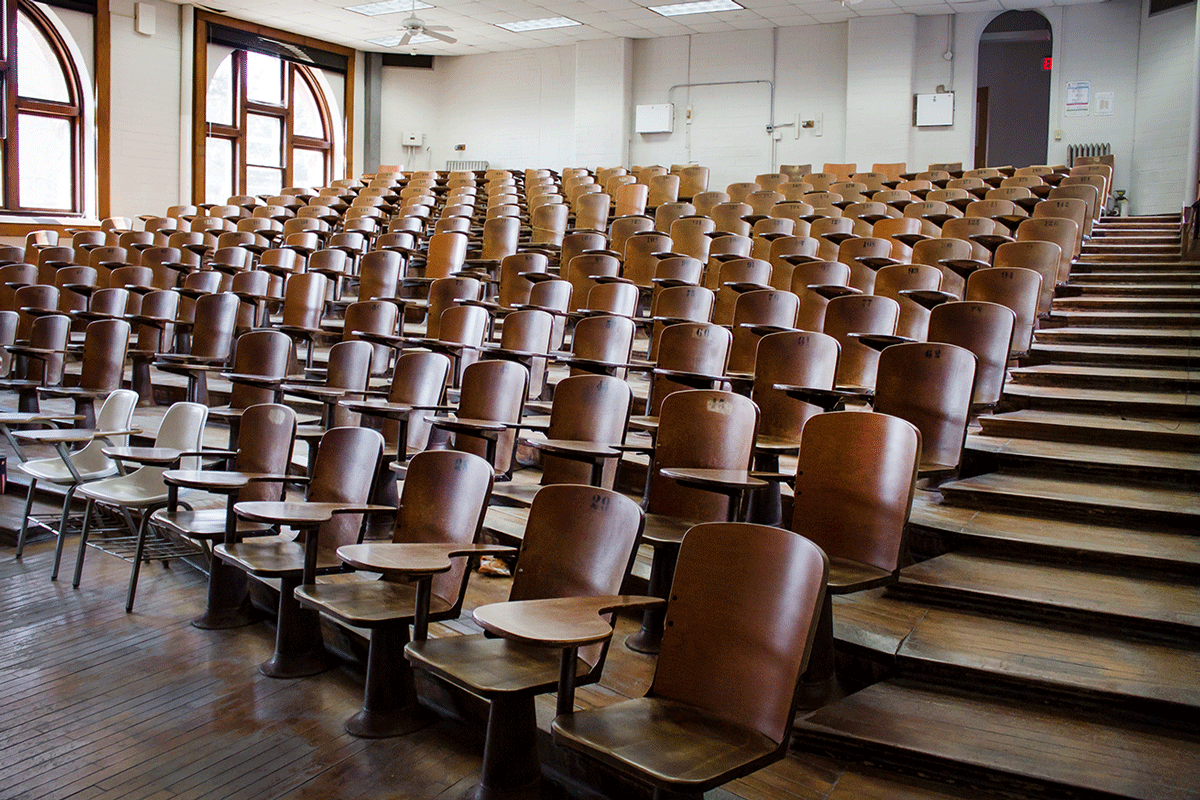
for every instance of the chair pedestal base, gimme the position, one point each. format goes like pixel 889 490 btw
pixel 662 572
pixel 228 600
pixel 819 684
pixel 299 648
pixel 141 382
pixel 389 699
pixel 510 764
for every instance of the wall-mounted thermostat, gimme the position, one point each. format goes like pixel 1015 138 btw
pixel 658 118
pixel 414 139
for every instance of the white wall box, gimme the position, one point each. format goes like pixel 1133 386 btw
pixel 659 118
pixel 930 110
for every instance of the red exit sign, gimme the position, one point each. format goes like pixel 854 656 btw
pixel 1047 63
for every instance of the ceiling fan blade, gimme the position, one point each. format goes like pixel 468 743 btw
pixel 438 28
pixel 443 37
pixel 408 35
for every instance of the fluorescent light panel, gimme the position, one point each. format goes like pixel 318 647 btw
pixel 537 24
pixel 702 7
pixel 394 41
pixel 386 7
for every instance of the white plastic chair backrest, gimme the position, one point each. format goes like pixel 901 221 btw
pixel 116 414
pixel 182 429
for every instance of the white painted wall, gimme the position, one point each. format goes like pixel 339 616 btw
pixel 1161 125
pixel 146 103
pixel 573 105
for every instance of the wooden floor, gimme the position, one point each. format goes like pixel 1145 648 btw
pixel 104 705
pixel 1046 645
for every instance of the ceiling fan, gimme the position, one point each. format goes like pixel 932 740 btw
pixel 414 27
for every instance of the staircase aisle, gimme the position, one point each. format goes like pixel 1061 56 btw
pixel 1051 644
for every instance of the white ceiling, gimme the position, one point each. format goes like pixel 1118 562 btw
pixel 474 21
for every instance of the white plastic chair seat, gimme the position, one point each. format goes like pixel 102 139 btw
pixel 138 489
pixel 55 471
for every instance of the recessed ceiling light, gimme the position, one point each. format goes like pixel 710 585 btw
pixel 701 7
pixel 387 7
pixel 537 24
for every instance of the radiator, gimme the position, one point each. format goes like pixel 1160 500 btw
pixel 1074 151
pixel 461 166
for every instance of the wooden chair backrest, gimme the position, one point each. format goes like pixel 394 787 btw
pixel 986 329
pixel 587 408
pixel 344 471
pixel 1014 287
pixel 702 429
pixel 930 385
pixel 855 479
pixel 738 654
pixel 797 358
pixel 859 314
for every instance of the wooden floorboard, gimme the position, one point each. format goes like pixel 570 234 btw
pixel 104 705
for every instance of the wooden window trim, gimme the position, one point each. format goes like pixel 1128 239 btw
pixel 16 106
pixel 201 127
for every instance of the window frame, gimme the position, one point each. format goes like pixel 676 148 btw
pixel 202 129
pixel 14 107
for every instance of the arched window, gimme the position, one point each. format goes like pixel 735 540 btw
pixel 268 126
pixel 43 141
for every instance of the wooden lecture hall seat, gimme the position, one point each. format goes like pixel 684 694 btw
pixel 859 480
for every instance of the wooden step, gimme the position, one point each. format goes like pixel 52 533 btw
pixel 1116 278
pixel 1023 747
pixel 1181 289
pixel 1097 377
pixel 1078 499
pixel 1064 542
pixel 1122 264
pixel 1146 337
pixel 985 453
pixel 1171 405
pixel 1085 597
pixel 1097 429
pixel 1139 304
pixel 1176 357
pixel 1115 318
pixel 972 649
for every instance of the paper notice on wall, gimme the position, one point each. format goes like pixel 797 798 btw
pixel 1104 104
pixel 1079 95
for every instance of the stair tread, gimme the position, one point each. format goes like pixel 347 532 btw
pixel 1064 588
pixel 1090 371
pixel 1117 351
pixel 1014 738
pixel 1068 659
pixel 1080 537
pixel 1114 396
pixel 1148 334
pixel 1184 430
pixel 1090 492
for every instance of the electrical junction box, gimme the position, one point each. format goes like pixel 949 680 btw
pixel 414 139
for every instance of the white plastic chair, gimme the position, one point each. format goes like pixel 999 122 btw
pixel 182 430
pixel 82 466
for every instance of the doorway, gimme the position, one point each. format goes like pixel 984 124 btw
pixel 1013 91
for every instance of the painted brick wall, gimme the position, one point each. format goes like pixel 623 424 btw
pixel 1163 118
pixel 145 111
pixel 879 89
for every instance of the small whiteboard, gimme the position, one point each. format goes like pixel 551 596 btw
pixel 933 109
pixel 658 118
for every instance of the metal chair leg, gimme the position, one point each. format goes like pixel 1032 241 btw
pixel 62 530
pixel 83 536
pixel 25 518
